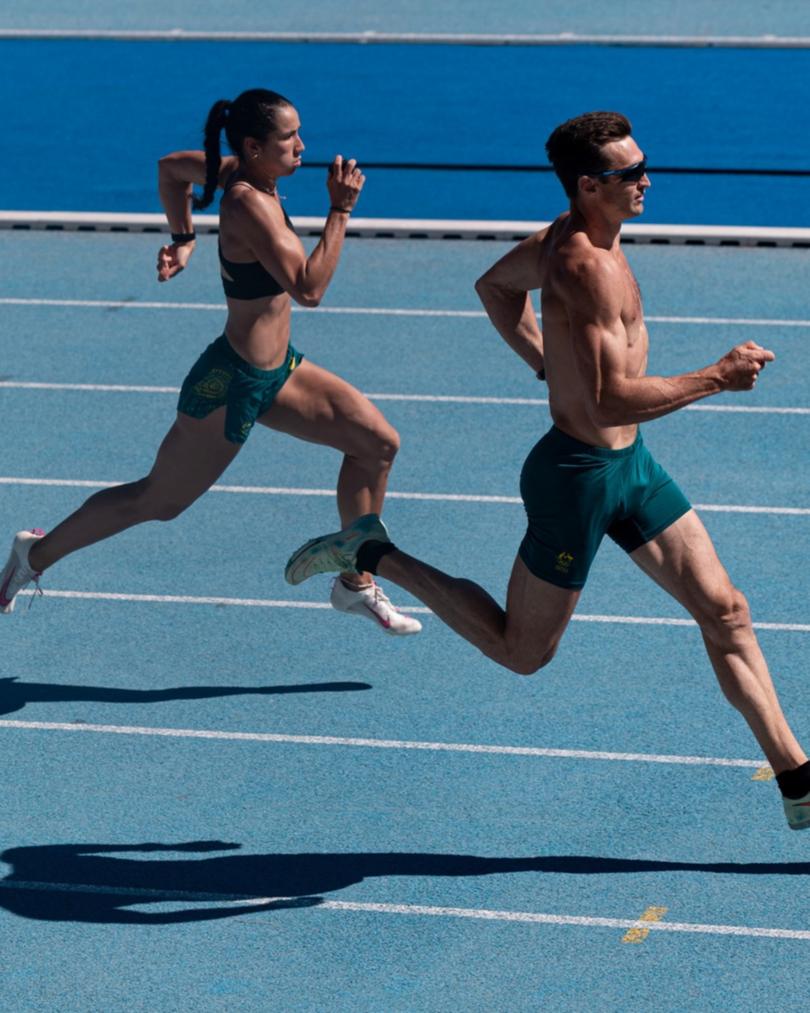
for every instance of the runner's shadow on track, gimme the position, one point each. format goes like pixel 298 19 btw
pixel 77 882
pixel 14 695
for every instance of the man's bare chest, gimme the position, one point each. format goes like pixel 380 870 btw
pixel 632 311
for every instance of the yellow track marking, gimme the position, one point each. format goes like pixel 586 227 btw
pixel 763 774
pixel 639 934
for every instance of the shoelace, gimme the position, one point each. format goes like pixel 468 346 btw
pixel 37 592
pixel 381 596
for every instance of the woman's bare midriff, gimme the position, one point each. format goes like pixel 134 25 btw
pixel 259 329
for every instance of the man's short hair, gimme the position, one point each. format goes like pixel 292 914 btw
pixel 575 147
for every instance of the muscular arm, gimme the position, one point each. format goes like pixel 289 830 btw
pixel 177 173
pixel 504 291
pixel 279 250
pixel 261 224
pixel 594 291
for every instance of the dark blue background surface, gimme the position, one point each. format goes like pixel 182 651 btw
pixel 95 116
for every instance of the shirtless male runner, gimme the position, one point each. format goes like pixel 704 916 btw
pixel 591 474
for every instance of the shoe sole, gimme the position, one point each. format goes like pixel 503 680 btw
pixel 401 633
pixel 5 579
pixel 297 558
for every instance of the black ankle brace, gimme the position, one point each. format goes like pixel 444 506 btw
pixel 795 783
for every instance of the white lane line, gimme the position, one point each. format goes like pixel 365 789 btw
pixel 413 910
pixel 112 304
pixel 443 497
pixel 182 599
pixel 333 740
pixel 186 599
pixel 534 402
pixel 269 603
pixel 117 388
pixel 732 509
pixel 384 311
pixel 122 304
pixel 581 920
pixel 747 409
pixel 729 321
pixel 267 490
pixel 663 621
pixel 56 482
pixel 538 402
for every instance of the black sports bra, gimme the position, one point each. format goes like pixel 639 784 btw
pixel 250 280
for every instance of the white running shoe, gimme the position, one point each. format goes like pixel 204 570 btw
pixel 17 574
pixel 372 603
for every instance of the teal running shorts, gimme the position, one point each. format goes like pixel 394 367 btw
pixel 575 494
pixel 221 377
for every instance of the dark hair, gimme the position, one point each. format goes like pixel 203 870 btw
pixel 575 146
pixel 252 114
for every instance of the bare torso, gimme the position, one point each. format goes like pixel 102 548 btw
pixel 253 231
pixel 562 251
pixel 257 329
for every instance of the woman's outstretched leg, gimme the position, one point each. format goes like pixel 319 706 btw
pixel 193 455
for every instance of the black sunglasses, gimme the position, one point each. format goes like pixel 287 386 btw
pixel 630 174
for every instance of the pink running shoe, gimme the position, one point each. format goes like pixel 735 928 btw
pixel 17 574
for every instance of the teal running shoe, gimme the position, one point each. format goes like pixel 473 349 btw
pixel 797 811
pixel 335 553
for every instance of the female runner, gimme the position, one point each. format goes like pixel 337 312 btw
pixel 251 373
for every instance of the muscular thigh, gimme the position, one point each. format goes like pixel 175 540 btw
pixel 682 560
pixel 192 456
pixel 317 406
pixel 537 612
pixel 535 605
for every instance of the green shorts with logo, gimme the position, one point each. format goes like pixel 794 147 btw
pixel 221 377
pixel 576 494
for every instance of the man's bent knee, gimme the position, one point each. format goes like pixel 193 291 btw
pixel 725 615
pixel 524 663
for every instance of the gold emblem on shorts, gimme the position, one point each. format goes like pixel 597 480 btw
pixel 563 562
pixel 214 385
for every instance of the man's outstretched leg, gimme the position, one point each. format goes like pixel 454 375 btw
pixel 523 637
pixel 682 559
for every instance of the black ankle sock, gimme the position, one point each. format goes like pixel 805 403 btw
pixel 795 783
pixel 369 555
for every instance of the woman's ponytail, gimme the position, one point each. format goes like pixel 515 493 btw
pixel 251 114
pixel 213 128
